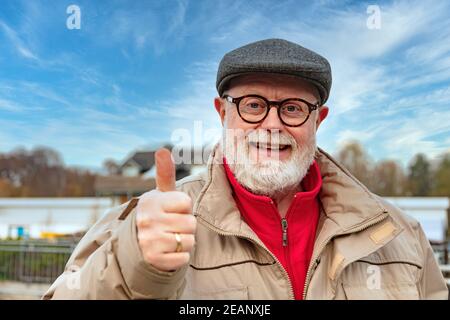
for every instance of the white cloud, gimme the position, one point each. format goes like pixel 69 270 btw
pixel 383 80
pixel 18 44
pixel 376 74
pixel 10 106
pixel 142 26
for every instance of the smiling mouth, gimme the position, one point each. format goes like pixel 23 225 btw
pixel 274 147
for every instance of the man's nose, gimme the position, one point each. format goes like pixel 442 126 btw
pixel 272 121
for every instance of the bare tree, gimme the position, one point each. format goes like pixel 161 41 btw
pixel 41 173
pixel 353 157
pixel 442 177
pixel 419 177
pixel 388 179
pixel 111 166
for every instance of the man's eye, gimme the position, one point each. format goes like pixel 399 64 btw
pixel 292 108
pixel 254 105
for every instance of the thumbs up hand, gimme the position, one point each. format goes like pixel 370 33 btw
pixel 165 225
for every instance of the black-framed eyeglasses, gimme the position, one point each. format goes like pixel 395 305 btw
pixel 293 112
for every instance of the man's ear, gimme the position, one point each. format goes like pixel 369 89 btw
pixel 323 113
pixel 220 108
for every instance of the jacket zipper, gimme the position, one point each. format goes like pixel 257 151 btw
pixel 291 275
pixel 314 262
pixel 255 241
pixel 284 238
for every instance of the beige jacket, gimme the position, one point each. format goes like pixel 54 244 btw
pixel 365 249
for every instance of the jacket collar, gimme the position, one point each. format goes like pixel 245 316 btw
pixel 344 199
pixel 311 185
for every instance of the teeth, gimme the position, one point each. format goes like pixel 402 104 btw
pixel 271 147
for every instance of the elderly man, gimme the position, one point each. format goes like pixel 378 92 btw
pixel 273 217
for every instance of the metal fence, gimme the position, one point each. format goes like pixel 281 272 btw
pixel 42 261
pixel 33 261
pixel 441 251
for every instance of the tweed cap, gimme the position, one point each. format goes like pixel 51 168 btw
pixel 276 56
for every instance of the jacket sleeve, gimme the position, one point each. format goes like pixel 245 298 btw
pixel 432 284
pixel 108 264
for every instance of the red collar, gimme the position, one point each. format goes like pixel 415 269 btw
pixel 311 185
pixel 291 239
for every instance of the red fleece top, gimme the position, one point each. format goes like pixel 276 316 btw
pixel 293 247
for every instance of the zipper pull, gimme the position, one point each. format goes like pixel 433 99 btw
pixel 284 226
pixel 316 263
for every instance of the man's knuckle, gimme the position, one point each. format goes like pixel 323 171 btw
pixel 192 223
pixel 188 223
pixel 151 238
pixel 184 257
pixel 168 220
pixel 191 238
pixel 150 256
pixel 141 220
pixel 184 200
pixel 142 238
pixel 150 220
pixel 189 242
pixel 149 200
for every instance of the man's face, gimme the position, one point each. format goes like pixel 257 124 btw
pixel 269 156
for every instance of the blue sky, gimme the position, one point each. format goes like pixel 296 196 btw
pixel 138 70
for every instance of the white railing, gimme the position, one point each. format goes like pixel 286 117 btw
pixel 68 215
pixel 431 212
pixel 58 215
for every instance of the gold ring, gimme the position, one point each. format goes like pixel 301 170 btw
pixel 179 244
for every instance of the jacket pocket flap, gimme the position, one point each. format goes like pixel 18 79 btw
pixel 238 293
pixel 402 291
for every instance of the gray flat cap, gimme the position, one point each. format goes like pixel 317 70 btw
pixel 276 56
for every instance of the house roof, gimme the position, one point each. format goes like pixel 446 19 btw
pixel 146 159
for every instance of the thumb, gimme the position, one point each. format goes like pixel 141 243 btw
pixel 165 170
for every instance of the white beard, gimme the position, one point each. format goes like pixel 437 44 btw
pixel 263 176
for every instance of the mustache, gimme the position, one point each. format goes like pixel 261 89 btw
pixel 272 138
